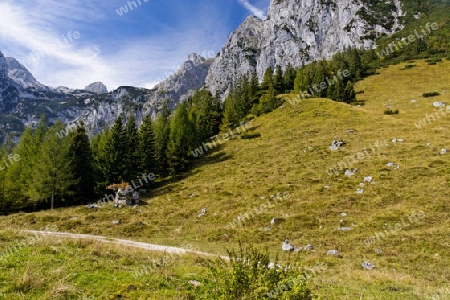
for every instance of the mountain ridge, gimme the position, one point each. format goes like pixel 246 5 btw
pixel 290 35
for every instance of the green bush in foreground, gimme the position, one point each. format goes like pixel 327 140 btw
pixel 250 275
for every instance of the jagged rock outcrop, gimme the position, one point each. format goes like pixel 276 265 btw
pixel 20 75
pixel 187 79
pixel 96 87
pixel 3 72
pixel 299 31
pixel 239 56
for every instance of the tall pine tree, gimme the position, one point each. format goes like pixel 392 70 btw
pixel 81 165
pixel 112 160
pixel 146 147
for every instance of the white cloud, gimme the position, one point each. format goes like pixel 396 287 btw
pixel 254 10
pixel 101 53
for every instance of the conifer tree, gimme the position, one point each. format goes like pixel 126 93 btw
pixel 81 165
pixel 112 160
pixel 267 79
pixel 131 149
pixel 146 147
pixel 52 177
pixel 98 143
pixel 289 78
pixel 180 139
pixel 16 187
pixel 278 80
pixel 162 130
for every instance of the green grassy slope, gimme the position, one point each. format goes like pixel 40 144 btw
pixel 293 156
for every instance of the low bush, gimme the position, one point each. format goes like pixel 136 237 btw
pixel 430 94
pixel 250 275
pixel 391 112
pixel 250 135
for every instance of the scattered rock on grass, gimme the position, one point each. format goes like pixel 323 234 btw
pixel 368 179
pixel 308 248
pixel 287 246
pixel 333 252
pixel 367 265
pixel 392 165
pixel 344 228
pixel 443 151
pixel 359 191
pixel 378 251
pixel 194 283
pixel 438 104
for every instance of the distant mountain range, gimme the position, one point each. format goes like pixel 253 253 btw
pixel 295 32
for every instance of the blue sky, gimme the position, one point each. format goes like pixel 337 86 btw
pixel 78 42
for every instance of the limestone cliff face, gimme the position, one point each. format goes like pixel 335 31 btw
pixel 297 31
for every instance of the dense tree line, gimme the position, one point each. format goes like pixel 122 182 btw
pixel 48 169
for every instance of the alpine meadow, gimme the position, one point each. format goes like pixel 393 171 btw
pixel 303 154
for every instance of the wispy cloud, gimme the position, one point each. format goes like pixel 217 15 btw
pixel 111 49
pixel 254 10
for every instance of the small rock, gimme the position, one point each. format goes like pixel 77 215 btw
pixel 378 251
pixel 414 100
pixel 272 222
pixel 333 252
pixel 266 228
pixel 194 283
pixel 368 179
pixel 326 187
pixel 308 248
pixel 359 191
pixel 279 195
pixel 443 151
pixel 344 214
pixel 91 206
pixel 287 246
pixel 344 228
pixel 438 104
pixel 262 197
pixel 361 184
pixel 367 265
pixel 116 222
pixel 392 165
pixel 349 173
pixel 272 197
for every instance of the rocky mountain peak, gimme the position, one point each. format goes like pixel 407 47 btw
pixel 3 72
pixel 20 74
pixel 297 32
pixel 96 87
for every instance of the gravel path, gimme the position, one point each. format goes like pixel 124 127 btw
pixel 128 243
